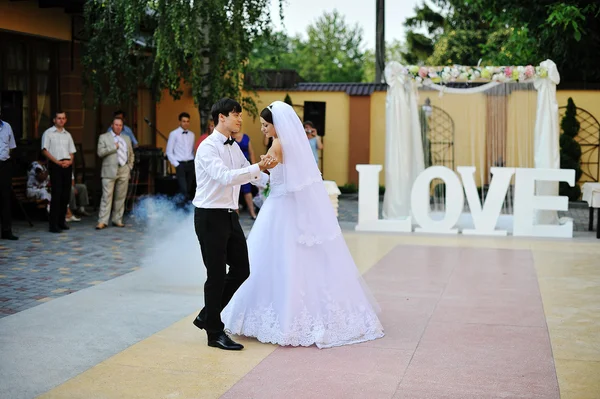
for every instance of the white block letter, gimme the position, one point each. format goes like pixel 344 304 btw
pixel 485 218
pixel 420 201
pixel 526 202
pixel 368 203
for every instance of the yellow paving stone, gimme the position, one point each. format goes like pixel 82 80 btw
pixel 17 268
pixel 96 282
pixel 47 251
pixel 65 280
pixel 65 273
pixel 34 270
pixel 2 276
pixel 60 253
pixel 22 257
pixel 59 290
pixel 64 269
pixel 166 365
pixel 578 379
pixel 135 268
pixel 22 263
pixel 88 264
pixel 47 299
pixel 73 259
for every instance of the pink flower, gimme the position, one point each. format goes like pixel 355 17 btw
pixel 423 72
pixel 508 72
pixel 529 71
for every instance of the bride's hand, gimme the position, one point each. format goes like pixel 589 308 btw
pixel 267 162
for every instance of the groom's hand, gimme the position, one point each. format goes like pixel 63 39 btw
pixel 267 162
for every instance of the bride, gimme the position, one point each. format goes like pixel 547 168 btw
pixel 304 288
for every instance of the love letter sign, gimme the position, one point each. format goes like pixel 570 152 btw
pixel 485 216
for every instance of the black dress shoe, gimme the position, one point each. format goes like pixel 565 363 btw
pixel 55 230
pixel 222 341
pixel 9 236
pixel 64 227
pixel 200 322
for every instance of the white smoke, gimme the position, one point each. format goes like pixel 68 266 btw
pixel 172 251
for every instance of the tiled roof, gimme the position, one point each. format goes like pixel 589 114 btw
pixel 353 89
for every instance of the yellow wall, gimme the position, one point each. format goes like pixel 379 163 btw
pixel 467 111
pixel 336 140
pixel 377 139
pixel 28 17
pixel 521 114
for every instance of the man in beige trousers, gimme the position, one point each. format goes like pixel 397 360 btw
pixel 117 156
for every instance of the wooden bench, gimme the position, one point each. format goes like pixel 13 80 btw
pixel 19 190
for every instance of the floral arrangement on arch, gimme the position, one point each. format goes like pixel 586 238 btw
pixel 436 75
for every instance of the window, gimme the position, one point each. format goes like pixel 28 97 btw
pixel 28 66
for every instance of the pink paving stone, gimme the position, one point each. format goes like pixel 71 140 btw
pixel 481 361
pixel 414 271
pixel 344 372
pixel 469 354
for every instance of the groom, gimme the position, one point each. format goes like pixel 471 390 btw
pixel 220 170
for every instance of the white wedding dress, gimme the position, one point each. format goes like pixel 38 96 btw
pixel 304 288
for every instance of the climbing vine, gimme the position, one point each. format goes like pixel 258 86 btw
pixel 172 45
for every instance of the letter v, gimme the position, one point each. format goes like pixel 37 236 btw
pixel 486 217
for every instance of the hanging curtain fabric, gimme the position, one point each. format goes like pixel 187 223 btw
pixel 546 133
pixel 404 146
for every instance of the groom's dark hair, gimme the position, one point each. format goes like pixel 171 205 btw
pixel 224 106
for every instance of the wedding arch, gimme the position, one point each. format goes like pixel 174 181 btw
pixel 404 153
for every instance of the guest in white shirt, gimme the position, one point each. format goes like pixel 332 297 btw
pixel 221 168
pixel 180 152
pixel 7 144
pixel 58 147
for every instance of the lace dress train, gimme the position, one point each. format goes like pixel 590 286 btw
pixel 304 289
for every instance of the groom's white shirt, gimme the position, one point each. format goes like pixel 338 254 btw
pixel 220 170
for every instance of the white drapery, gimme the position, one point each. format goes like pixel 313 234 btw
pixel 547 148
pixel 403 143
pixel 404 148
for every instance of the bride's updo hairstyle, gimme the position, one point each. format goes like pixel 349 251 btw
pixel 267 115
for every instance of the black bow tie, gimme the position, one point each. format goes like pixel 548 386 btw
pixel 229 141
pixel 185 132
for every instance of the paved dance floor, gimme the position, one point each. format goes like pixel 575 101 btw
pixel 464 318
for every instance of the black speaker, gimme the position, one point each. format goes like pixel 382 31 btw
pixel 12 111
pixel 314 111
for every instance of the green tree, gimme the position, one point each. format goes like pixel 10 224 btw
pixel 431 24
pixel 508 32
pixel 394 51
pixel 161 44
pixel 567 32
pixel 570 151
pixel 333 51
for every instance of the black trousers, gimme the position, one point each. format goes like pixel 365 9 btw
pixel 186 179
pixel 5 195
pixel 60 180
pixel 222 242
